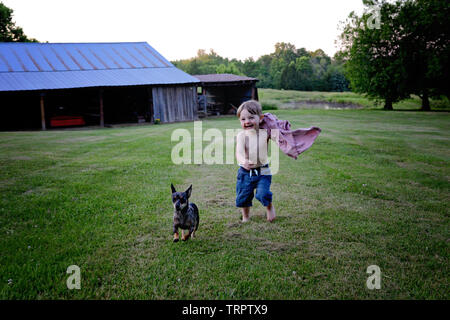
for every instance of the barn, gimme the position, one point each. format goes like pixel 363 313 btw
pixel 50 85
pixel 223 93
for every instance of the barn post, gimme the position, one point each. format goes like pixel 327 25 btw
pixel 254 93
pixel 150 104
pixel 205 104
pixel 100 97
pixel 42 112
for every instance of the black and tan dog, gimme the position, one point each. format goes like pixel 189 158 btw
pixel 185 215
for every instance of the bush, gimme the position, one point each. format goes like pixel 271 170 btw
pixel 269 106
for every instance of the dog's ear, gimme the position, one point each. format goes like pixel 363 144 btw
pixel 173 188
pixel 188 191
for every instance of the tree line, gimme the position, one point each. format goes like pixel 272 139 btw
pixel 394 49
pixel 287 67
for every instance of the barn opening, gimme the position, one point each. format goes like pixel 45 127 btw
pixel 220 94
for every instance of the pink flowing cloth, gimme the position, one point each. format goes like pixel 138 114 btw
pixel 291 142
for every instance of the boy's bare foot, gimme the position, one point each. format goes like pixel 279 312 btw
pixel 270 212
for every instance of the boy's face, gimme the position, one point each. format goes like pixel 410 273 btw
pixel 250 121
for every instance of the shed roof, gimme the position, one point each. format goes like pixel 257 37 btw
pixel 44 66
pixel 223 77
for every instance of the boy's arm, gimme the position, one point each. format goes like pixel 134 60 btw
pixel 240 151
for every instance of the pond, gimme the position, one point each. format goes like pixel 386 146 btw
pixel 326 105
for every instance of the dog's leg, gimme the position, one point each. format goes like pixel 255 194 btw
pixel 191 232
pixel 175 234
pixel 186 237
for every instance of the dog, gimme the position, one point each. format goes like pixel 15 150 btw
pixel 185 215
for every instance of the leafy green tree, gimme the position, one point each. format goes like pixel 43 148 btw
pixel 230 68
pixel 320 63
pixel 264 75
pixel 285 51
pixel 408 53
pixel 9 32
pixel 335 78
pixel 276 69
pixel 250 67
pixel 425 47
pixel 305 73
pixel 288 78
pixel 374 64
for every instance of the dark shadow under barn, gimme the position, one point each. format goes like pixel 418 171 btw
pixel 223 93
pixel 24 110
pixel 75 107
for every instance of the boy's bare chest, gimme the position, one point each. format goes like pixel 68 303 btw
pixel 255 143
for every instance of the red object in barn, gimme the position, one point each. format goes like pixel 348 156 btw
pixel 65 121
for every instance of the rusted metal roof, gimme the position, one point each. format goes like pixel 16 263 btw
pixel 223 77
pixel 45 66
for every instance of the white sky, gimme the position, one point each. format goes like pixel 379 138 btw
pixel 177 29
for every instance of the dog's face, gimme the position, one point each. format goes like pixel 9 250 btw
pixel 180 199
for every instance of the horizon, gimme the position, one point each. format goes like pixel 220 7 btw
pixel 283 21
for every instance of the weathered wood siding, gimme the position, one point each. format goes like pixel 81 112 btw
pixel 172 104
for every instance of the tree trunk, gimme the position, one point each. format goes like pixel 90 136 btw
pixel 425 101
pixel 388 104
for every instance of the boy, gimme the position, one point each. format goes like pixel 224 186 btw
pixel 251 155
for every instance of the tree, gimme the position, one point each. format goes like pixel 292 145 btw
pixel 335 78
pixel 285 51
pixel 9 32
pixel 264 75
pixel 250 68
pixel 407 53
pixel 304 73
pixel 230 68
pixel 425 40
pixel 374 64
pixel 289 77
pixel 320 63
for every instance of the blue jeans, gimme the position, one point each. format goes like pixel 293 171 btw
pixel 246 185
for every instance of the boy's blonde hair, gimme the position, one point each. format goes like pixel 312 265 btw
pixel 252 106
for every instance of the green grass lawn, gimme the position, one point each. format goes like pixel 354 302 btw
pixel 283 99
pixel 372 190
